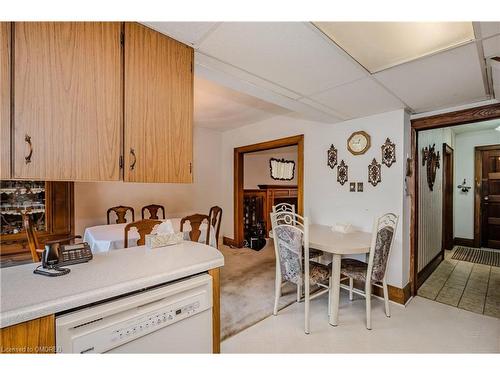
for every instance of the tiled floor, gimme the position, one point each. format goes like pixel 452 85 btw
pixel 469 286
pixel 423 326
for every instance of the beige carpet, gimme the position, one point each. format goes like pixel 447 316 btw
pixel 247 288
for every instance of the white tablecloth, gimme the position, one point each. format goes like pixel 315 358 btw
pixel 102 238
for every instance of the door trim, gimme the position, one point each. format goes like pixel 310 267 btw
pixel 466 116
pixel 238 167
pixel 447 149
pixel 478 184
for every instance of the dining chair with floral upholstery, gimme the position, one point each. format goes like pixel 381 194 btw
pixel 373 273
pixel 291 245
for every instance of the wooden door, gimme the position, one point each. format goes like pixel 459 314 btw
pixel 5 155
pixel 490 199
pixel 158 107
pixel 448 189
pixel 68 100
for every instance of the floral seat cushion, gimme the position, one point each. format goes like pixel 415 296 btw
pixel 354 268
pixel 319 273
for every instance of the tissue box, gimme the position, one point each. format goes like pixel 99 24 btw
pixel 163 239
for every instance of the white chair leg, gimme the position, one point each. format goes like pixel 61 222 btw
pixel 386 300
pixel 306 303
pixel 299 292
pixel 368 296
pixel 277 293
pixel 351 285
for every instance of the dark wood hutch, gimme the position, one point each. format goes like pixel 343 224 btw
pixel 51 204
pixel 258 203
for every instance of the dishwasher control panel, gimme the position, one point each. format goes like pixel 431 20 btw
pixel 106 326
pixel 153 321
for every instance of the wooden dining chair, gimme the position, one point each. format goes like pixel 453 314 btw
pixel 293 264
pixel 195 221
pixel 153 211
pixel 121 212
pixel 34 245
pixel 144 227
pixel 373 272
pixel 215 215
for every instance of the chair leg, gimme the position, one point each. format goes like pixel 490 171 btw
pixel 386 300
pixel 329 294
pixel 277 293
pixel 368 296
pixel 306 306
pixel 351 285
pixel 299 292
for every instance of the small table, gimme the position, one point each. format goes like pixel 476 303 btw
pixel 102 238
pixel 322 237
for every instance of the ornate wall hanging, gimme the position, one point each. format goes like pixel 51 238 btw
pixel 388 153
pixel 374 172
pixel 332 157
pixel 342 173
pixel 282 169
pixel 430 157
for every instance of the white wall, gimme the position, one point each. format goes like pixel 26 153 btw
pixel 256 167
pixel 92 199
pixel 325 200
pixel 463 203
pixel 430 208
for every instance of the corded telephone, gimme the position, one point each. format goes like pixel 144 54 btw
pixel 56 256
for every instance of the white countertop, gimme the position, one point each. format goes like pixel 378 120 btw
pixel 25 296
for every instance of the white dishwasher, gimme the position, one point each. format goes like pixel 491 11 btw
pixel 175 318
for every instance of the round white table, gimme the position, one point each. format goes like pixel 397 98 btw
pixel 322 237
pixel 102 238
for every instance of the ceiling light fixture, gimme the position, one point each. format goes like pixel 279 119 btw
pixel 381 45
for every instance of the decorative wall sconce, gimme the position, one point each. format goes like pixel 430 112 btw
pixel 388 153
pixel 374 172
pixel 332 157
pixel 464 187
pixel 432 159
pixel 342 173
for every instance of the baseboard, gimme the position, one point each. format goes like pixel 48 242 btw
pixel 463 241
pixel 398 295
pixel 429 269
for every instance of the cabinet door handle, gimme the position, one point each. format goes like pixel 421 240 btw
pixel 27 139
pixel 132 153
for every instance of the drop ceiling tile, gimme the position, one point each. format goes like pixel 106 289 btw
pixel 360 98
pixel 491 47
pixel 489 28
pixel 187 32
pixel 445 79
pixel 292 55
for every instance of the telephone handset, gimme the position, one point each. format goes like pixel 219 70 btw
pixel 56 256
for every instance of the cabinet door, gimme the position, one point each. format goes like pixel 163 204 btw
pixel 67 100
pixel 158 109
pixel 5 155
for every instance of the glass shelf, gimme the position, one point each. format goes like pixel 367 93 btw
pixel 18 197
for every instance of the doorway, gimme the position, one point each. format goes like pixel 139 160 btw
pixel 238 184
pixel 448 188
pixel 487 197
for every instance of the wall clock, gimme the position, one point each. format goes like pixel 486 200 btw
pixel 358 143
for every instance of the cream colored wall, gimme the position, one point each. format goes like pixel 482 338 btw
pixel 92 199
pixel 257 172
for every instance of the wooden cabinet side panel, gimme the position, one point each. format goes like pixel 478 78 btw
pixel 68 99
pixel 34 336
pixel 5 66
pixel 158 107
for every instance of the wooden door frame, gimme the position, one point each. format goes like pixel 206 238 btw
pixel 478 184
pixel 238 168
pixel 465 116
pixel 447 149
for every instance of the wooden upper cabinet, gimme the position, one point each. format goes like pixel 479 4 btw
pixel 158 134
pixel 67 116
pixel 5 28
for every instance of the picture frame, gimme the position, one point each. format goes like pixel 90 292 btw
pixel 281 169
